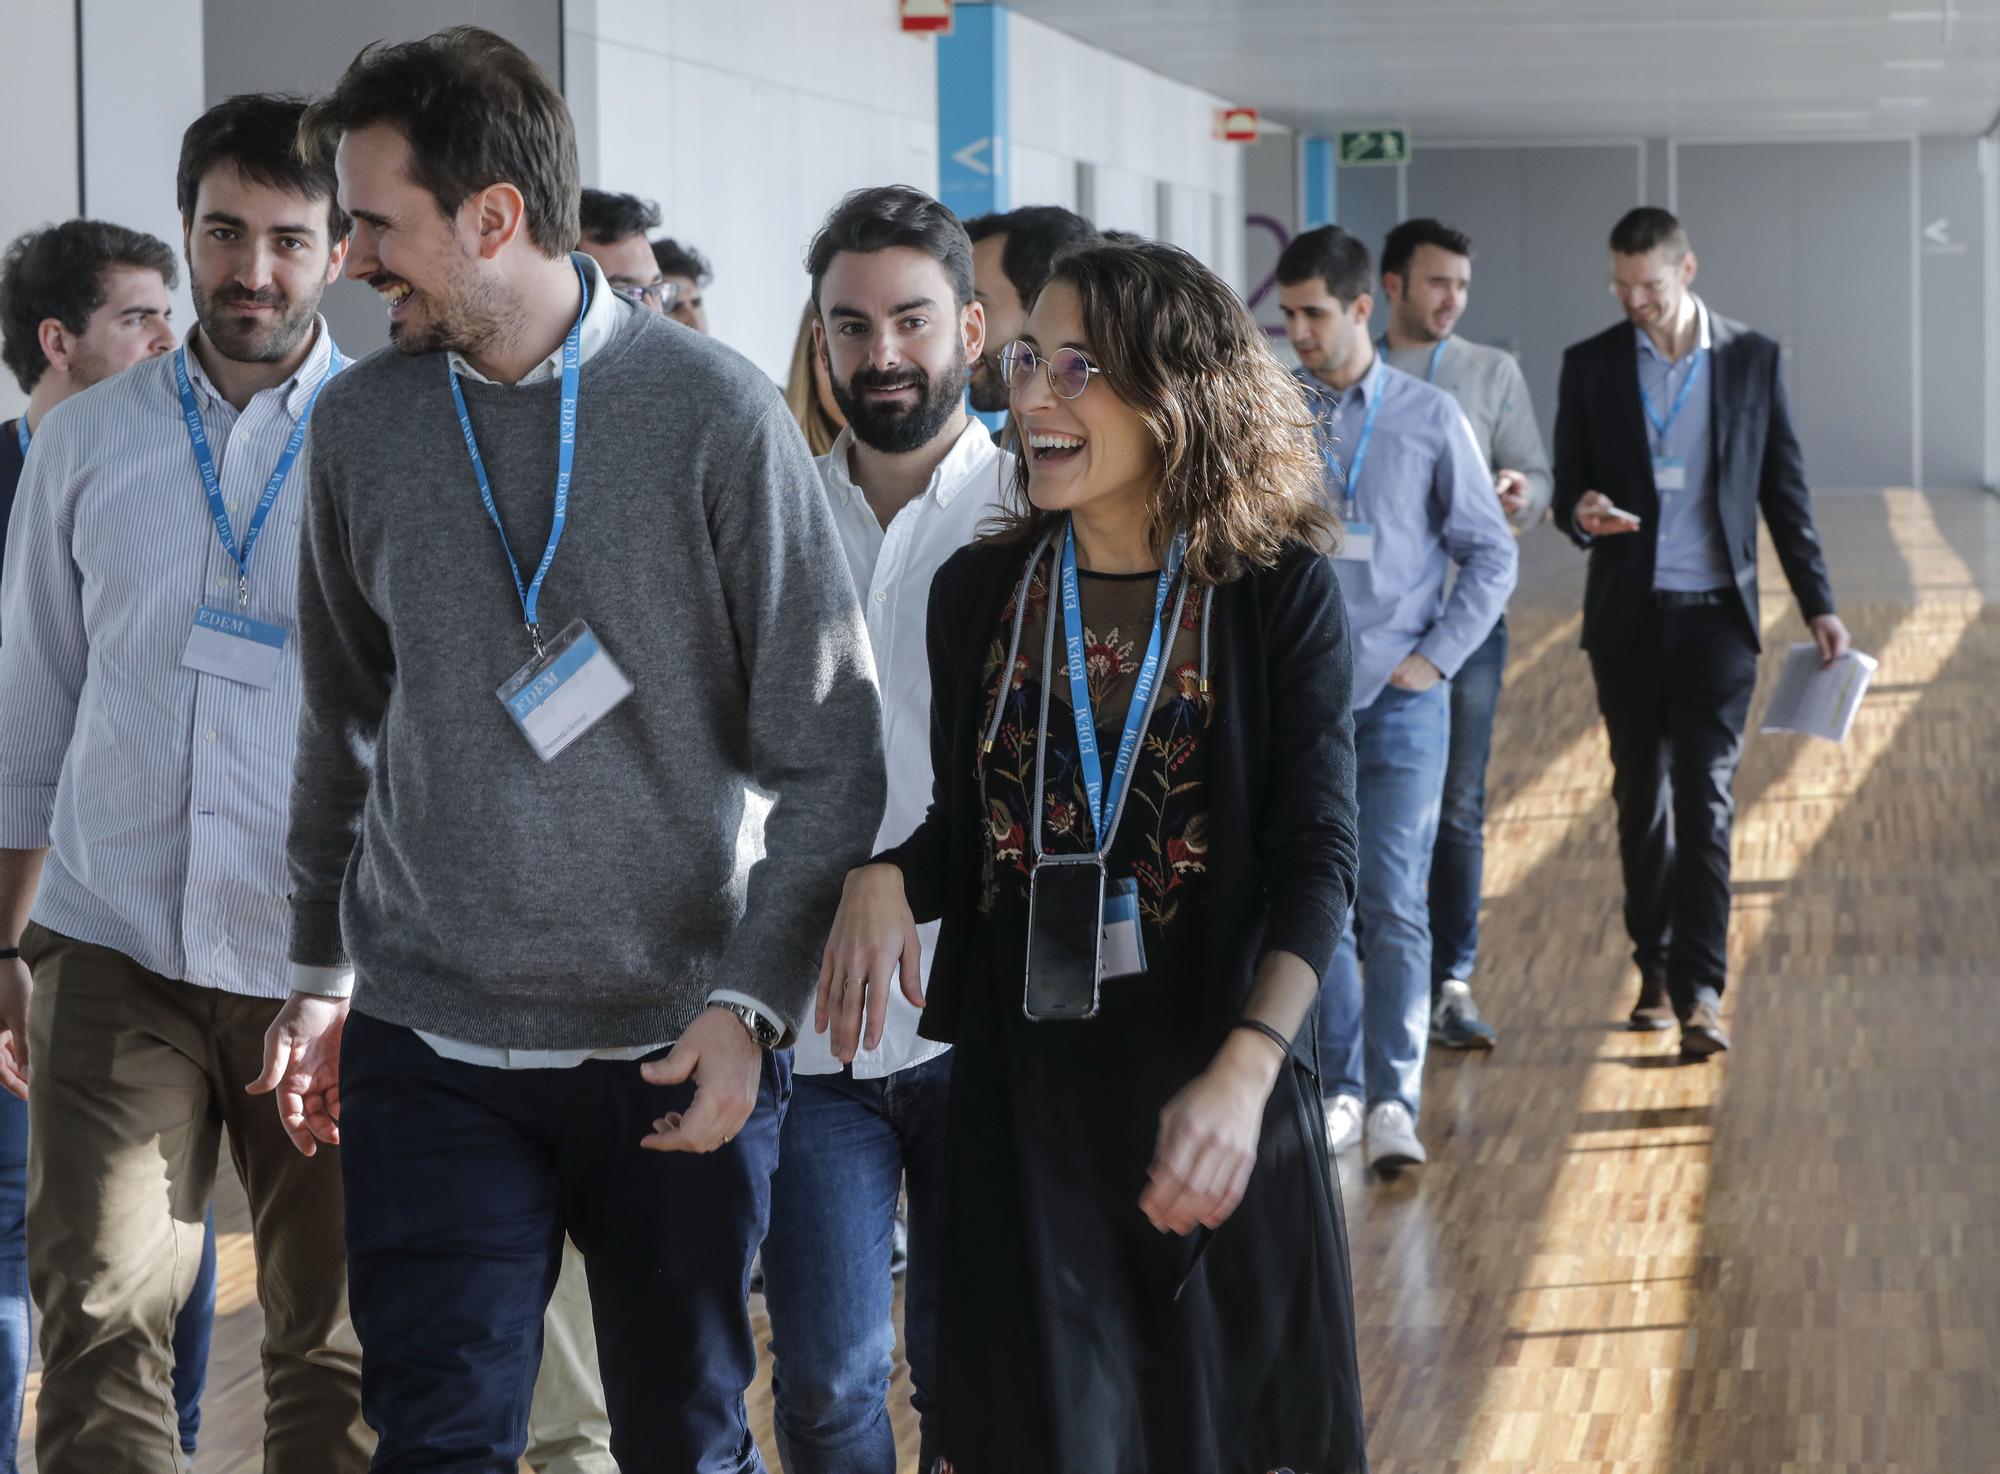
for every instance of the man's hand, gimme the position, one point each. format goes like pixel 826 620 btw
pixel 1599 517
pixel 1415 673
pixel 726 1065
pixel 17 989
pixel 302 1063
pixel 1832 638
pixel 873 943
pixel 1513 489
pixel 1207 1144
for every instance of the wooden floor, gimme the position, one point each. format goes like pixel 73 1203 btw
pixel 1786 1260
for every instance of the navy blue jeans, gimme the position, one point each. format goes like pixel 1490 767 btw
pixel 1458 860
pixel 848 1145
pixel 461 1181
pixel 192 1329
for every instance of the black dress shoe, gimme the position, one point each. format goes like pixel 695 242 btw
pixel 1701 1032
pixel 1653 1012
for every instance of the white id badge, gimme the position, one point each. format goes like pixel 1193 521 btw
pixel 1357 544
pixel 1669 474
pixel 1123 952
pixel 564 692
pixel 235 647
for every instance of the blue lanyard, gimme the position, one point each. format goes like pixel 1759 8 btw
pixel 1660 426
pixel 21 434
pixel 1437 352
pixel 572 360
pixel 211 482
pixel 1352 480
pixel 1104 805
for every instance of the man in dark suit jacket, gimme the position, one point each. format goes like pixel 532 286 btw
pixel 1671 432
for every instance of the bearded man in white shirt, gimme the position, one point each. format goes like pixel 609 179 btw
pixel 909 482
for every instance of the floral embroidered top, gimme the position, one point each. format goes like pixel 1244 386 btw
pixel 1162 842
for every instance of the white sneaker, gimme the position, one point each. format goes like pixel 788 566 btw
pixel 1343 1122
pixel 1392 1137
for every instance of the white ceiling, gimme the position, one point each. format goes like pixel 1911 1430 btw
pixel 1546 69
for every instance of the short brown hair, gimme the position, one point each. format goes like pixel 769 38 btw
pixel 1647 229
pixel 1241 468
pixel 476 112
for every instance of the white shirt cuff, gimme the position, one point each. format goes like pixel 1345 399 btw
pixel 323 982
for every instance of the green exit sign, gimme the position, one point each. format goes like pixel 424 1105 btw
pixel 1374 146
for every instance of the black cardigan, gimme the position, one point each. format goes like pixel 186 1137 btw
pixel 1281 818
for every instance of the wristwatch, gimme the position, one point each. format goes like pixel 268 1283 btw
pixel 763 1030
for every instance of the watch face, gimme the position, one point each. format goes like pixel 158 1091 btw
pixel 759 1026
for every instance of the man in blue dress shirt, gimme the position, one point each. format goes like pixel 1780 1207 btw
pixel 1414 493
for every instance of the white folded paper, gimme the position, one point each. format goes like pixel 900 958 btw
pixel 1819 702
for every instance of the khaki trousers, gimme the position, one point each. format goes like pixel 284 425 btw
pixel 569 1432
pixel 133 1077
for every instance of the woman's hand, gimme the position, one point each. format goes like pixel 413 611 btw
pixel 874 937
pixel 1208 1137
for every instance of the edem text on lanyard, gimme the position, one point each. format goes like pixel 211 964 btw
pixel 572 359
pixel 1104 806
pixel 1661 427
pixel 211 482
pixel 1352 481
pixel 22 434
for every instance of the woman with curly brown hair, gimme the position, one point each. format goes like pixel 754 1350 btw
pixel 1142 846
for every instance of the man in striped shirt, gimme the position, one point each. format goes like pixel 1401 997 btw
pixel 151 666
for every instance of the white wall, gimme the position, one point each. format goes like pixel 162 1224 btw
pixel 38 118
pixel 747 121
pixel 1989 164
pixel 1140 147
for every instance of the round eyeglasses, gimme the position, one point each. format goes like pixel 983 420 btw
pixel 1067 369
pixel 660 296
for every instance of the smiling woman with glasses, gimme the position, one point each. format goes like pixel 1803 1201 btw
pixel 1141 844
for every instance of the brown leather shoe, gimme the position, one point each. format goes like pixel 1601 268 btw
pixel 1701 1032
pixel 1653 1012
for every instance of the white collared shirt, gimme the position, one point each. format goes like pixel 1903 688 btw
pixel 892 569
pixel 162 792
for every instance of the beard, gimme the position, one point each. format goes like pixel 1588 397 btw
pixel 248 340
pixel 468 314
pixel 87 367
pixel 896 430
pixel 987 385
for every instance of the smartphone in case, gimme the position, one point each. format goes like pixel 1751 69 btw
pixel 1065 938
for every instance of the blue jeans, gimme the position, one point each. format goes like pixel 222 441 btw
pixel 461 1181
pixel 847 1146
pixel 1371 1039
pixel 192 1328
pixel 1458 860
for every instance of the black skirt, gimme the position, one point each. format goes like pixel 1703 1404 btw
pixel 1077 1338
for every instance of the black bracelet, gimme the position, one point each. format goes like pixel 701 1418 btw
pixel 1266 1030
pixel 10 954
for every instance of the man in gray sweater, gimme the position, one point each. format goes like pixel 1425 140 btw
pixel 1427 278
pixel 520 780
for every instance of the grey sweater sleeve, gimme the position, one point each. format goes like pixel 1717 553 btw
pixel 345 657
pixel 1517 443
pixel 814 718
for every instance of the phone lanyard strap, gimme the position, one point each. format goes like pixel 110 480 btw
pixel 1037 819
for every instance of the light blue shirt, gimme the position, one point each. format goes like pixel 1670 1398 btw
pixel 1690 555
pixel 1426 491
pixel 161 792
